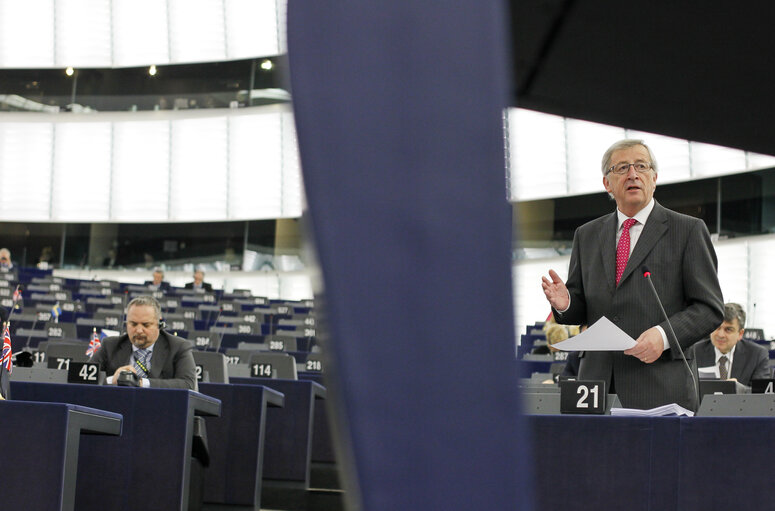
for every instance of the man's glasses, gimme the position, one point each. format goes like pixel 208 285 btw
pixel 622 168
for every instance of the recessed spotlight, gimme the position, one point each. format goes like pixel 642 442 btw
pixel 152 70
pixel 69 71
pixel 266 64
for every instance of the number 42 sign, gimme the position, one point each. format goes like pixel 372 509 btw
pixel 84 372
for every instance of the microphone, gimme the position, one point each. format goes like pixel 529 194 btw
pixel 674 344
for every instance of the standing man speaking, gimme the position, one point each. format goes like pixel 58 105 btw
pixel 605 279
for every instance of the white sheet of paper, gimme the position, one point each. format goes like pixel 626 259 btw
pixel 602 336
pixel 710 372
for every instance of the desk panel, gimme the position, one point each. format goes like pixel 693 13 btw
pixel 657 463
pixel 148 467
pixel 40 451
pixel 237 442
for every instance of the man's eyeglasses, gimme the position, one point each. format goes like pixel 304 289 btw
pixel 622 168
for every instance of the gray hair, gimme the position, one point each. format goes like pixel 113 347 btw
pixel 626 144
pixel 734 311
pixel 148 301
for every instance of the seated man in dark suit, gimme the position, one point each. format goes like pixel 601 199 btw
pixel 735 357
pixel 199 283
pixel 158 283
pixel 158 359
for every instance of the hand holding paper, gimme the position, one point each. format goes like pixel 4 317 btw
pixel 602 336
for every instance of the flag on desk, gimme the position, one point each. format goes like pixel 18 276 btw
pixel 56 311
pixel 5 361
pixel 95 342
pixel 6 365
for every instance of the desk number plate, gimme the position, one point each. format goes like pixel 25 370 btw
pixel 83 372
pixel 582 396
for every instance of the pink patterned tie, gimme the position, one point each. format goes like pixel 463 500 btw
pixel 623 248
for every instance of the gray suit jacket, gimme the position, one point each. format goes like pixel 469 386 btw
pixel 751 362
pixel 172 363
pixel 678 252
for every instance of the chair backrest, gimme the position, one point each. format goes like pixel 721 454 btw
pixel 61 330
pixel 214 364
pixel 273 365
pixel 281 343
pixel 205 340
pixel 175 325
pixel 113 319
pixel 238 356
pixel 75 352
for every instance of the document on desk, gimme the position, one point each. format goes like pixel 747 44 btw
pixel 602 336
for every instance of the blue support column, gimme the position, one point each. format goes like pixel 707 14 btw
pixel 398 107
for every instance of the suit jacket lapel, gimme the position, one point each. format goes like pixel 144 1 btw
pixel 161 350
pixel 738 363
pixel 655 228
pixel 123 354
pixel 608 250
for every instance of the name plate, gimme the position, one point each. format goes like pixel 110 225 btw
pixel 83 372
pixel 261 370
pixel 582 396
pixel 314 366
pixel 765 386
pixel 59 363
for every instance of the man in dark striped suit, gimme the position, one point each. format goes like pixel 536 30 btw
pixel 604 279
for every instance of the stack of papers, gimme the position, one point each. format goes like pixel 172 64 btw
pixel 671 410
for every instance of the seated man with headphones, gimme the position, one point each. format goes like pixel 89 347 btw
pixel 145 353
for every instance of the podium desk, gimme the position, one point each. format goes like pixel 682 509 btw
pixel 647 463
pixel 40 452
pixel 289 429
pixel 148 467
pixel 236 443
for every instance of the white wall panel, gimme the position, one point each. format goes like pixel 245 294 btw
pixel 292 186
pixel 25 170
pixel 82 167
pixel 712 160
pixel 26 33
pixel 530 302
pixel 587 141
pixel 140 33
pixel 199 159
pixel 672 155
pixel 251 28
pixel 83 33
pixel 760 161
pixel 123 33
pixel 196 30
pixel 141 171
pixel 537 154
pixel 733 270
pixel 255 155
pixel 194 165
pixel 761 300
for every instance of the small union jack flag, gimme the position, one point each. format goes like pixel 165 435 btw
pixel 6 361
pixel 94 343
